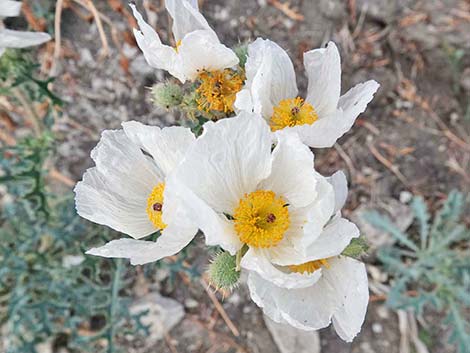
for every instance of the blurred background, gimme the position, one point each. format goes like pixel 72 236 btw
pixel 407 159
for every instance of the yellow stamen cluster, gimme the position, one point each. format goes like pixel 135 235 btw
pixel 177 45
pixel 218 89
pixel 310 266
pixel 261 219
pixel 155 206
pixel 292 112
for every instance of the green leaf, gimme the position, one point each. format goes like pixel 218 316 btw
pixel 357 248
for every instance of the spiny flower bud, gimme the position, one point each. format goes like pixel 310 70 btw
pixel 167 95
pixel 356 248
pixel 222 272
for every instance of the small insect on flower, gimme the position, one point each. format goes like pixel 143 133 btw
pixel 280 218
pixel 271 90
pixel 17 39
pixel 127 191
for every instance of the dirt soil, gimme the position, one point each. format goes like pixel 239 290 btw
pixel 414 137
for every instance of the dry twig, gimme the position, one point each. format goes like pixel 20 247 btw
pixel 220 308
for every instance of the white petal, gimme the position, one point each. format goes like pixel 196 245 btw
pixel 355 101
pixel 292 175
pixel 217 229
pixel 324 132
pixel 341 294
pixel 335 237
pixel 340 186
pixel 172 240
pixel 348 319
pixel 227 161
pixel 186 17
pixel 10 8
pixel 115 192
pixel 255 260
pixel 270 77
pixel 156 54
pixel 167 146
pixel 317 214
pixel 309 308
pixel 323 67
pixel 201 50
pixel 19 39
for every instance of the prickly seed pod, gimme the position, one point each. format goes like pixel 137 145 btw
pixel 167 95
pixel 222 272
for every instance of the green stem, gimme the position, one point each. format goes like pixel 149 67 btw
pixel 114 302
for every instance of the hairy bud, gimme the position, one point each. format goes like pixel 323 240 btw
pixel 222 272
pixel 167 95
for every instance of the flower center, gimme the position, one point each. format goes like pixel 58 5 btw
pixel 155 206
pixel 218 89
pixel 292 112
pixel 261 219
pixel 310 266
pixel 177 45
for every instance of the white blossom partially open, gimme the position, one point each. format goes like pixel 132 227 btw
pixel 127 191
pixel 197 45
pixel 271 90
pixel 278 212
pixel 17 39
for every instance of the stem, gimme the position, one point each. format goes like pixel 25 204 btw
pixel 114 302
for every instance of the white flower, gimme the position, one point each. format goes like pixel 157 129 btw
pixel 271 90
pixel 271 203
pixel 197 48
pixel 127 191
pixel 17 39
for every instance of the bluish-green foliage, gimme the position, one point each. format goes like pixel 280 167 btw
pixel 433 261
pixel 81 306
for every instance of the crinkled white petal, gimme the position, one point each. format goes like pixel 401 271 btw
pixel 9 8
pixel 172 240
pixel 348 319
pixel 186 17
pixel 217 229
pixel 292 174
pixel 167 146
pixel 255 260
pixel 323 67
pixel 340 294
pixel 156 54
pixel 317 214
pixel 354 101
pixel 335 237
pixel 309 308
pixel 115 192
pixel 340 186
pixel 20 39
pixel 227 161
pixel 270 78
pixel 201 50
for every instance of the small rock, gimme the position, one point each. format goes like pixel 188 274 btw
pixel 69 261
pixel 405 196
pixel 291 340
pixel 191 303
pixel 377 328
pixel 163 314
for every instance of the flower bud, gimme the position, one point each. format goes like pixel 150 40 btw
pixel 222 272
pixel 167 95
